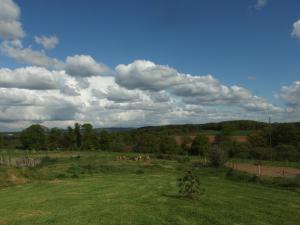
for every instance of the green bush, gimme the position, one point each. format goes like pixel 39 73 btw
pixel 189 185
pixel 287 152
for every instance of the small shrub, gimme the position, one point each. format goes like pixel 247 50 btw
pixel 74 171
pixel 139 172
pixel 189 185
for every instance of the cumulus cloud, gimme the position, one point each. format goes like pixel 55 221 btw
pixel 85 66
pixel 117 94
pixel 10 26
pixel 196 90
pixel 47 42
pixel 291 96
pixel 35 78
pixel 38 94
pixel 296 29
pixel 36 105
pixel 38 78
pixel 260 4
pixel 146 75
pixel 14 49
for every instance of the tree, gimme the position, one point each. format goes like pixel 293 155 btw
pixel 89 137
pixel 186 144
pixel 147 143
pixel 55 139
pixel 77 135
pixel 217 156
pixel 285 134
pixel 1 141
pixel 68 140
pixel 199 145
pixel 189 185
pixel 33 137
pixel 287 152
pixel 105 141
pixel 259 138
pixel 168 145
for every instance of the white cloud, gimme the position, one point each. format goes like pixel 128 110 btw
pixel 10 26
pixel 35 78
pixel 197 90
pixel 38 78
pixel 47 42
pixel 118 94
pixel 260 4
pixel 146 75
pixel 36 94
pixel 85 66
pixel 14 49
pixel 296 29
pixel 291 96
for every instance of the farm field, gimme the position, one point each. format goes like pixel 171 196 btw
pixel 96 189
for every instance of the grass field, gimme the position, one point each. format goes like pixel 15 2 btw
pixel 95 189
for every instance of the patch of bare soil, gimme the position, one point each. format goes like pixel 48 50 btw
pixel 13 178
pixel 268 171
pixel 212 139
pixel 32 213
pixel 55 181
pixel 3 222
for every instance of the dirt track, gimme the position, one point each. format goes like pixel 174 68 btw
pixel 212 139
pixel 269 171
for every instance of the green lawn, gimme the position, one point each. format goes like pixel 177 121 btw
pixel 134 193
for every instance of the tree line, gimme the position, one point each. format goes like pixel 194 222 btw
pixel 268 142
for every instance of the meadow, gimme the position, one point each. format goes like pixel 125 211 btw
pixel 93 188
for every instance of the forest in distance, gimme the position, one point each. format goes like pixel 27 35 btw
pixel 238 139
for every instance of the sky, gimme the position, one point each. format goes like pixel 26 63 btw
pixel 132 63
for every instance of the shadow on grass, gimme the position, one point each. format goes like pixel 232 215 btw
pixel 176 196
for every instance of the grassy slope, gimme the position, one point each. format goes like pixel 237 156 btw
pixel 125 197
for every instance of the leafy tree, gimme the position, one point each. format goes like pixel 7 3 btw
pixel 240 150
pixel 259 138
pixel 33 137
pixel 55 139
pixel 217 156
pixel 89 138
pixel 285 134
pixel 1 141
pixel 168 145
pixel 68 141
pixel 186 143
pixel 262 153
pixel 199 145
pixel 287 152
pixel 189 185
pixel 147 143
pixel 105 141
pixel 77 135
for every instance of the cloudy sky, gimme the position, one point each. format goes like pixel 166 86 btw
pixel 121 63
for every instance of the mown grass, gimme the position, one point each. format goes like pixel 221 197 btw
pixel 110 192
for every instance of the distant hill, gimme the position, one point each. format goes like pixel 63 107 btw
pixel 115 129
pixel 212 128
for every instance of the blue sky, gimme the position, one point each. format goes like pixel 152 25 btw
pixel 237 42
